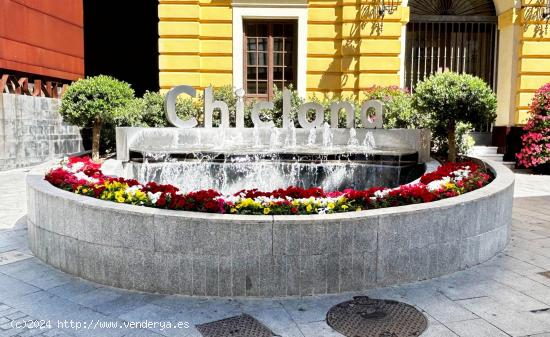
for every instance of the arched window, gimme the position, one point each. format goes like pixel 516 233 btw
pixel 457 35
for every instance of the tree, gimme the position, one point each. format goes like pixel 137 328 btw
pixel 449 98
pixel 94 101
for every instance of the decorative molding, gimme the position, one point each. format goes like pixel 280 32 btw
pixel 508 18
pixel 269 3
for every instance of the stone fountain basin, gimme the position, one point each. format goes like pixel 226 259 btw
pixel 393 142
pixel 202 254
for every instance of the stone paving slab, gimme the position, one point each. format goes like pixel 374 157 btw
pixel 506 296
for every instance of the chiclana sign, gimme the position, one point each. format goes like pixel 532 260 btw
pixel 210 105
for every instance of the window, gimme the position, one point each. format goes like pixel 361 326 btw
pixel 269 57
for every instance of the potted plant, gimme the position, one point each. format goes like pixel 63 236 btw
pixel 449 99
pixel 94 102
pixel 535 152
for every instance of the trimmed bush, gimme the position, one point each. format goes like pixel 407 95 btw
pixel 448 99
pixel 150 109
pixel 398 110
pixel 95 102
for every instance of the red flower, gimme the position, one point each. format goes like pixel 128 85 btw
pixel 161 202
pixel 212 202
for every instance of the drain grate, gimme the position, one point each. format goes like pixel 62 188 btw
pixel 238 326
pixel 366 317
pixel 545 273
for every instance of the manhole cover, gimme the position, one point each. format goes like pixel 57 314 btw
pixel 367 317
pixel 238 326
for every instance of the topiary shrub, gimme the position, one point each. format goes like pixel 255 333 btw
pixel 95 102
pixel 535 150
pixel 449 98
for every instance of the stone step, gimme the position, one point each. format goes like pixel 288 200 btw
pixel 483 150
pixel 494 157
pixel 509 164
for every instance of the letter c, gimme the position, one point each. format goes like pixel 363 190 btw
pixel 170 107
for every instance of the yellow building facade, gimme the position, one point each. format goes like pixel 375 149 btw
pixel 343 47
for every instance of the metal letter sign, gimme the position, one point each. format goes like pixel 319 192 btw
pixel 319 111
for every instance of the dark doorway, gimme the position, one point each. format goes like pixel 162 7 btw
pixel 121 40
pixel 455 35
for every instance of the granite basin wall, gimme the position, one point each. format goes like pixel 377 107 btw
pixel 203 254
pixel 32 131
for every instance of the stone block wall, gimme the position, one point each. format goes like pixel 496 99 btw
pixel 32 131
pixel 226 255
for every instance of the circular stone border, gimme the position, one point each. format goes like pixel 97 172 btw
pixel 203 254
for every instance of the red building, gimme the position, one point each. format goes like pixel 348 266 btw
pixel 41 40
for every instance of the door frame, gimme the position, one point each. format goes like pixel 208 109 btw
pixel 265 13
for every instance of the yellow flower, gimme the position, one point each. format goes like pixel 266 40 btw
pixel 330 205
pixel 233 210
pixel 139 194
pixel 267 210
pixel 295 203
pixel 358 209
pixel 119 196
pixel 449 185
pixel 309 208
pixel 247 202
pixel 344 207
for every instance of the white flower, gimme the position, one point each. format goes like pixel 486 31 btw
pixel 133 189
pixel 437 184
pixel 76 167
pixel 382 193
pixel 458 175
pixel 154 197
pixel 83 176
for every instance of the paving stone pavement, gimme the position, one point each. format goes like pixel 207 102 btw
pixel 506 296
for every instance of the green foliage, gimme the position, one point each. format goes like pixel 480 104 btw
pixel 447 99
pixel 100 102
pixel 150 109
pixel 100 99
pixel 277 114
pixel 327 99
pixel 464 141
pixel 398 110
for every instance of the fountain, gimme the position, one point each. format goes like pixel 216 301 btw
pixel 228 255
pixel 274 158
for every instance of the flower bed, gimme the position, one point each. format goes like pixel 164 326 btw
pixel 536 140
pixel 82 176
